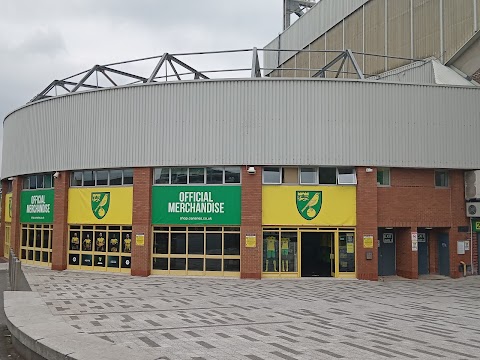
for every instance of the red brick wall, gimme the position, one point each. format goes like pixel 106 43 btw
pixel 142 221
pixel 366 223
pixel 407 260
pixel 2 222
pixel 15 229
pixel 60 223
pixel 251 258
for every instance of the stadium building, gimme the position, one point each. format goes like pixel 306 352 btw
pixel 350 153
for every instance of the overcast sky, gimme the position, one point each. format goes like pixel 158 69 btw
pixel 51 39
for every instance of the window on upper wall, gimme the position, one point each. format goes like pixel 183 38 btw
pixel 290 175
pixel 327 175
pixel 101 177
pixel 272 175
pixel 38 181
pixel 346 176
pixel 308 175
pixel 197 175
pixel 441 178
pixel 383 176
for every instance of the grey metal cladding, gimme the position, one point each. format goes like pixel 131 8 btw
pixel 251 121
pixel 322 17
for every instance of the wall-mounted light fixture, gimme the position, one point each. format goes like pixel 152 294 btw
pixel 251 170
pixel 368 170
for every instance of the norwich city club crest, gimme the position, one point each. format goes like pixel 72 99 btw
pixel 309 203
pixel 10 207
pixel 100 204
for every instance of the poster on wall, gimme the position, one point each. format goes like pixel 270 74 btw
pixel 36 206
pixel 215 205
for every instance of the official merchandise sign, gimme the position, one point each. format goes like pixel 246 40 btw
pixel 36 206
pixel 309 205
pixel 111 206
pixel 206 205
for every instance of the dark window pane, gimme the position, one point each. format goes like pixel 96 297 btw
pixel 214 244
pixel 179 175
pixel 196 175
pixel 113 262
pixel 37 255
pixel 126 262
pixel 88 178
pixel 113 242
pixel 178 243
pixel 231 244
pixel 231 229
pixel 127 176
pixel 328 176
pixel 232 175
pixel 30 254
pixel 231 265
pixel 87 241
pixel 116 177
pixel 24 237
pixel 100 242
pixel 178 228
pixel 102 177
pixel 31 237
pixel 39 181
pixel 195 264
pixel 160 243
pixel 99 260
pixel 178 264
pixel 45 256
pixel 46 238
pixel 77 178
pixel 38 238
pixel 74 240
pixel 127 243
pixel 213 265
pixel 86 260
pixel 33 182
pixel 214 175
pixel 160 263
pixel 74 259
pixel 195 244
pixel 26 183
pixel 47 181
pixel 24 254
pixel 162 176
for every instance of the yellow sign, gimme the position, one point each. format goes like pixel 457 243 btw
pixel 8 207
pixel 100 205
pixel 368 241
pixel 336 205
pixel 350 248
pixel 251 241
pixel 140 239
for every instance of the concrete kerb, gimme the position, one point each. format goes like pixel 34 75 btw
pixel 46 336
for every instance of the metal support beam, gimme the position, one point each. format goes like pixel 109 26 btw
pixel 321 72
pixel 174 70
pixel 85 77
pixel 255 64
pixel 157 68
pixel 198 74
pixel 123 73
pixel 340 68
pixel 108 77
pixel 355 64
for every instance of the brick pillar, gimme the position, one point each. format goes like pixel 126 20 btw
pixel 2 223
pixel 60 221
pixel 251 258
pixel 459 218
pixel 367 223
pixel 15 229
pixel 142 221
pixel 407 260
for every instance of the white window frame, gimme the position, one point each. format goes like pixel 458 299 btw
pixel 315 181
pixel 389 182
pixel 272 183
pixel 353 173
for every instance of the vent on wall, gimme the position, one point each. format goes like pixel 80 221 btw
pixel 473 209
pixel 472 185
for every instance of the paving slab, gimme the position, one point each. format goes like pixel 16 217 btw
pixel 216 318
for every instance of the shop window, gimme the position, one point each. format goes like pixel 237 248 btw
pixel 195 244
pixel 160 264
pixel 214 175
pixel 231 244
pixel 270 251
pixel 178 243
pixel 272 175
pixel 280 251
pixel 346 250
pixel 441 178
pixel 308 175
pixel 36 244
pixel 288 251
pixel 383 176
pixel 214 244
pixel 195 264
pixel 231 265
pixel 196 175
pixel 213 265
pixel 346 176
pixel 160 243
pixel 327 176
pixel 178 263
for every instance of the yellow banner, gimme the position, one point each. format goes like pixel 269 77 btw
pixel 309 205
pixel 100 205
pixel 8 207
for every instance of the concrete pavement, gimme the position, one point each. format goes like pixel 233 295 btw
pixel 211 318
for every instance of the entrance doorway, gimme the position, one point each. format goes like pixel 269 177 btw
pixel 386 253
pixel 318 251
pixel 423 268
pixel 443 254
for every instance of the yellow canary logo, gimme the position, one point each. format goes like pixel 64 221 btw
pixel 309 203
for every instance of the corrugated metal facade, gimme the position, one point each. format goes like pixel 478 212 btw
pixel 252 121
pixel 315 22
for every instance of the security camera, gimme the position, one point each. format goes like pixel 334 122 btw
pixel 56 174
pixel 251 170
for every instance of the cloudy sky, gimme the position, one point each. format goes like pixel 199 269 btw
pixel 51 39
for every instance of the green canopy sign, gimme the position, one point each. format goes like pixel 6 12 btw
pixel 36 206
pixel 206 205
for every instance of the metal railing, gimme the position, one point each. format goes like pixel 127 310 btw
pixel 14 270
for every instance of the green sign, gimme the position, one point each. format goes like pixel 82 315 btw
pixel 309 203
pixel 36 206
pixel 206 205
pixel 476 225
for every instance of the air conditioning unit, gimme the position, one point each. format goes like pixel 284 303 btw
pixel 472 185
pixel 473 209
